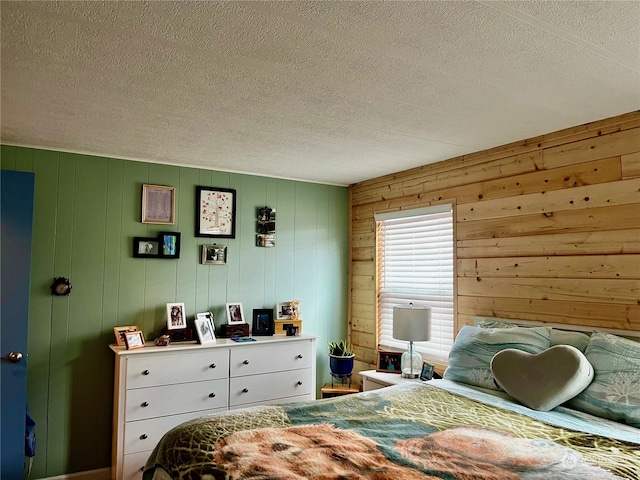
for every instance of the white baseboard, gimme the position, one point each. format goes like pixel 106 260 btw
pixel 100 474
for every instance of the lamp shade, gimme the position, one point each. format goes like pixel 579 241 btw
pixel 412 323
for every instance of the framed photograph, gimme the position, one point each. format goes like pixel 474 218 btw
pixel 262 321
pixel 214 254
pixel 204 328
pixel 134 339
pixel 284 311
pixel 170 244
pixel 215 212
pixel 120 332
pixel 176 316
pixel 235 313
pixel 158 204
pixel 144 247
pixel 388 361
pixel 265 240
pixel 427 371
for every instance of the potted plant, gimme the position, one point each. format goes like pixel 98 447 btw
pixel 341 358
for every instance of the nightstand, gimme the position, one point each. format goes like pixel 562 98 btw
pixel 329 391
pixel 372 380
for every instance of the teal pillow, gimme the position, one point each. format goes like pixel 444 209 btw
pixel 615 390
pixel 471 354
pixel 558 337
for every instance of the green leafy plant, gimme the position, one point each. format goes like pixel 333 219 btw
pixel 340 349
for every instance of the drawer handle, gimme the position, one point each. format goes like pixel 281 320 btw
pixel 211 395
pixel 144 404
pixel 246 362
pixel 145 372
pixel 299 356
pixel 299 383
pixel 245 390
pixel 213 365
pixel 143 436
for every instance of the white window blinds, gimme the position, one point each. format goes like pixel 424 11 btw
pixel 415 264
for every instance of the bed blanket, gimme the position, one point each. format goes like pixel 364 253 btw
pixel 411 431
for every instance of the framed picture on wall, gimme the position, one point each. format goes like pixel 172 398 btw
pixel 215 212
pixel 158 204
pixel 146 247
pixel 214 254
pixel 170 244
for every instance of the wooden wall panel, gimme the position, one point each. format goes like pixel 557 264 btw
pixel 547 229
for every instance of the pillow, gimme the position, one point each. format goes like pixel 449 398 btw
pixel 558 337
pixel 544 380
pixel 615 390
pixel 474 347
pixel 575 339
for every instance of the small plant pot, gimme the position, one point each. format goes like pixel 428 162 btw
pixel 341 366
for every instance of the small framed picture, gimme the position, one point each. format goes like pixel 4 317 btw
pixel 265 240
pixel 388 361
pixel 204 328
pixel 120 332
pixel 158 204
pixel 235 314
pixel 144 247
pixel 134 339
pixel 262 321
pixel 214 254
pixel 284 311
pixel 170 244
pixel 215 212
pixel 176 316
pixel 427 371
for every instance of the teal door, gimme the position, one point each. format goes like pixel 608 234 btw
pixel 15 260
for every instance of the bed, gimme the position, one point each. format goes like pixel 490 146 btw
pixel 444 429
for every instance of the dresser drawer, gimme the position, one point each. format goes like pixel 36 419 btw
pixel 143 435
pixel 264 388
pixel 151 370
pixel 277 357
pixel 134 464
pixel 143 403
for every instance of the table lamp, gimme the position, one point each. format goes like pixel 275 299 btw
pixel 412 323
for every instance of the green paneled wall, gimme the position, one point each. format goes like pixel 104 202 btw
pixel 87 211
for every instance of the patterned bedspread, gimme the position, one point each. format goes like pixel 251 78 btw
pixel 412 431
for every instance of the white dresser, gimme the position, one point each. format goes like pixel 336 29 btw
pixel 157 388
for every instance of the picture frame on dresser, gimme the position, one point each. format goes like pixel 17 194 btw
pixel 262 322
pixel 176 316
pixel 388 361
pixel 235 314
pixel 284 310
pixel 120 332
pixel 134 339
pixel 204 328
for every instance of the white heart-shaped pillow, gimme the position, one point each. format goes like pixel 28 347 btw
pixel 545 380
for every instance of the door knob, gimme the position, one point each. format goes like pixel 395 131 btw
pixel 14 357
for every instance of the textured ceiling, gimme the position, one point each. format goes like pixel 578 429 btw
pixel 331 92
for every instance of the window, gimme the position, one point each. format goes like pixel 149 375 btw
pixel 415 264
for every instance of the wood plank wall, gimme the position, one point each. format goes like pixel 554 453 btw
pixel 547 229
